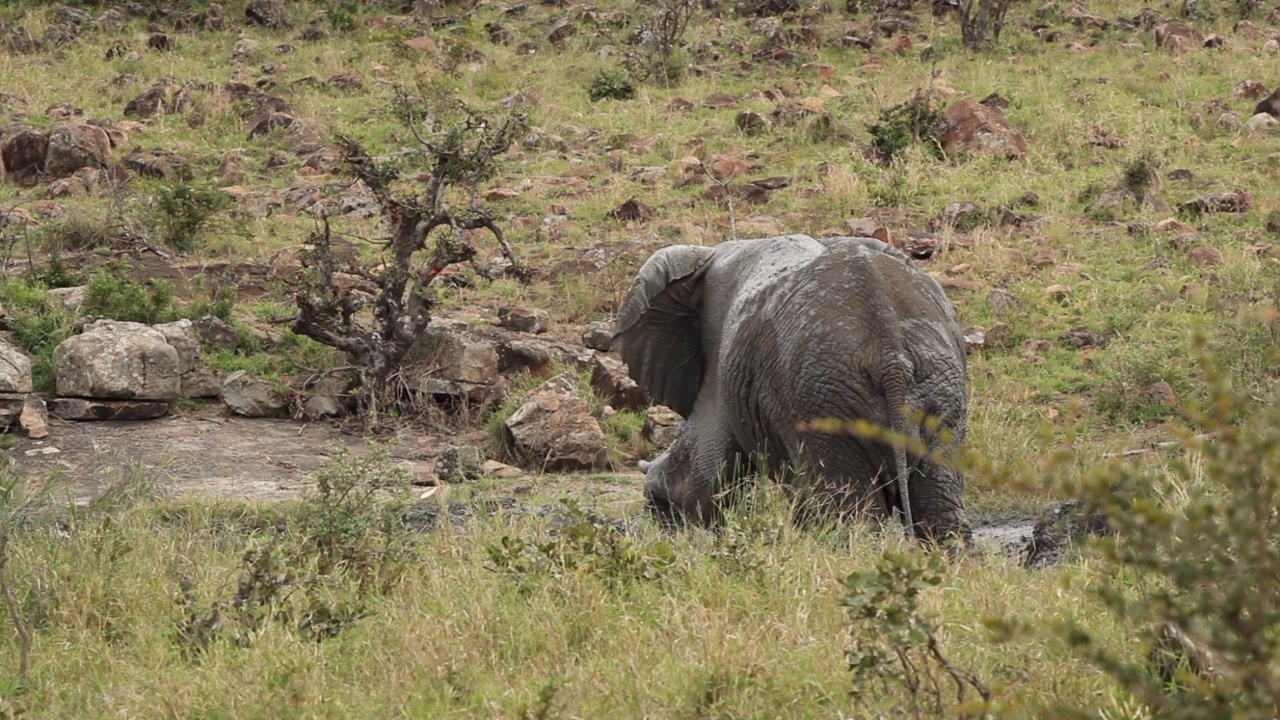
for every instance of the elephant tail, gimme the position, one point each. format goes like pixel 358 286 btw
pixel 897 383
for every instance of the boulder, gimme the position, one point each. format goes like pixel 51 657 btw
pixel 1262 122
pixel 101 410
pixel 554 430
pixel 23 153
pixel 1178 37
pixel 328 398
pixel 72 147
pixel 610 380
pixel 118 360
pixel 197 380
pixel 971 126
pixel 15 369
pixel 454 364
pixel 661 425
pixel 251 396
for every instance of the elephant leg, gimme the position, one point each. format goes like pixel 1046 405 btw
pixel 685 481
pixel 937 503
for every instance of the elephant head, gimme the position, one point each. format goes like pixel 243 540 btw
pixel 751 340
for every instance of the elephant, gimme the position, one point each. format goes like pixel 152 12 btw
pixel 750 340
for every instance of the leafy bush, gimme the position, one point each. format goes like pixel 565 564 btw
pixel 318 570
pixel 899 127
pixel 111 293
pixel 586 545
pixel 611 85
pixel 183 211
pixel 902 646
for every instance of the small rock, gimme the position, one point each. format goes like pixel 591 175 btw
pixel 1162 393
pixel 267 13
pixel 751 122
pixel 522 319
pixel 1220 202
pixel 459 464
pixel 1261 122
pixel 1001 301
pixel 1204 255
pixel 598 336
pixel 1058 293
pixel 1272 223
pixel 631 211
pixel 35 417
pixel 999 335
pixel 975 338
pixel 1178 37
pixel 217 332
pixel 250 396
pixel 972 126
pixel 1251 89
pixel 661 426
pixel 610 380
pixel 501 471
pixel 453 363
pixel 104 410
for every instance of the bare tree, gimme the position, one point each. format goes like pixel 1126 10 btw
pixel 981 21
pixel 459 153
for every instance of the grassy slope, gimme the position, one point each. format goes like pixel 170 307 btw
pixel 453 614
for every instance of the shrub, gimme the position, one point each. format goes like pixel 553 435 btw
pixel 899 127
pixel 902 644
pixel 183 211
pixel 1193 569
pixel 112 294
pixel 611 85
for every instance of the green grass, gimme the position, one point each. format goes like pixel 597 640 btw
pixel 749 629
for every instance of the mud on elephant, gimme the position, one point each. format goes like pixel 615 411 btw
pixel 750 340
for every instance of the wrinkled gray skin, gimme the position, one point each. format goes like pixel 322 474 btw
pixel 749 339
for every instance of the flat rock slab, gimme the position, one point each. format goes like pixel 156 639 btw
pixel 205 452
pixel 102 410
pixel 199 452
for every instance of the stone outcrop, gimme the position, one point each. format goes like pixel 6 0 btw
pixel 553 431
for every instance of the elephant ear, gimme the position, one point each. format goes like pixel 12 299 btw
pixel 659 329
